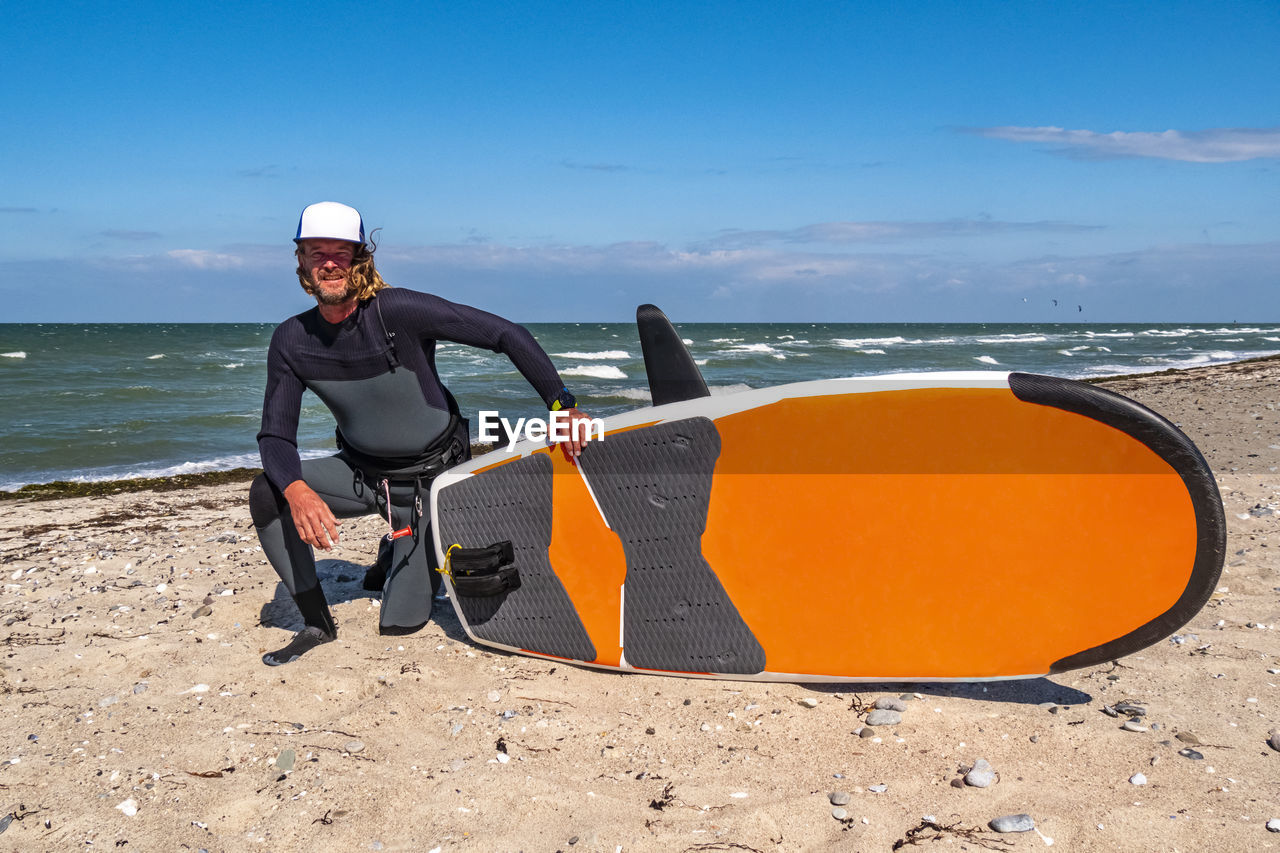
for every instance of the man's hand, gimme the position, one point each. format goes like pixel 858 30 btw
pixel 311 515
pixel 579 434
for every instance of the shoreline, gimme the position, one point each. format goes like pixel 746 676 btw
pixel 59 489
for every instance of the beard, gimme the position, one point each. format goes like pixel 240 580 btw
pixel 332 291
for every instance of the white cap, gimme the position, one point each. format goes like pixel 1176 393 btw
pixel 329 220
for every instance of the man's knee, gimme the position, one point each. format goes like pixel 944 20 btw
pixel 266 504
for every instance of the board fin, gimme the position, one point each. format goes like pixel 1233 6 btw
pixel 673 375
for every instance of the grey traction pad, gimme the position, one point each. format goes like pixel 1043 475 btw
pixel 654 486
pixel 513 502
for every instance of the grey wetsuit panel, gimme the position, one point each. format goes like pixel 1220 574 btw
pixel 654 486
pixel 384 415
pixel 514 502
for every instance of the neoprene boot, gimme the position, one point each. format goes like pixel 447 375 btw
pixel 320 628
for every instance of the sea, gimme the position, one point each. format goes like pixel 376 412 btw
pixel 118 401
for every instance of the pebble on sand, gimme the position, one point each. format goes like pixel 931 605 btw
pixel 129 807
pixel 353 746
pixel 888 703
pixel 1273 825
pixel 839 798
pixel 884 718
pixel 1013 823
pixel 1273 739
pixel 1137 779
pixel 980 775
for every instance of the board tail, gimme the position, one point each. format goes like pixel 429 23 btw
pixel 673 375
pixel 1167 441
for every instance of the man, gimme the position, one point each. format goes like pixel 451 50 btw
pixel 367 350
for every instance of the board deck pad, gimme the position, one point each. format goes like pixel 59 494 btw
pixel 654 486
pixel 922 527
pixel 514 503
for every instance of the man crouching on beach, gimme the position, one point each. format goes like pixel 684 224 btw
pixel 367 350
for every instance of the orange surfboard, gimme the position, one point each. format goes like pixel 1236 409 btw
pixel 923 527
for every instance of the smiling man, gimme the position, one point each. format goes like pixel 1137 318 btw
pixel 367 350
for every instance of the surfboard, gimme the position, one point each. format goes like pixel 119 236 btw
pixel 915 527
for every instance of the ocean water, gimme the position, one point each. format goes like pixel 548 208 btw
pixel 114 401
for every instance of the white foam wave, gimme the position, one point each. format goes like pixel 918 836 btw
pixel 219 463
pixel 234 365
pixel 596 371
pixel 762 348
pixel 154 357
pixel 595 356
pixel 727 340
pixel 1014 339
pixel 859 343
pixel 1092 334
pixel 1199 359
pixel 717 390
pixel 871 351
pixel 985 359
pixel 18 354
pixel 626 394
pixel 687 341
pixel 1154 364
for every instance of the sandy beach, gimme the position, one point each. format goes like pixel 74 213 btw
pixel 138 716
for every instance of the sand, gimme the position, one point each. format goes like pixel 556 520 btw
pixel 137 716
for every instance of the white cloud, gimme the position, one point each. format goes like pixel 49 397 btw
pixel 1216 145
pixel 721 272
pixel 843 233
pixel 203 259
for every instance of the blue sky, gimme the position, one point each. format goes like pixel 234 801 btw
pixel 862 161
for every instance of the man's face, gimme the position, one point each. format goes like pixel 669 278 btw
pixel 328 263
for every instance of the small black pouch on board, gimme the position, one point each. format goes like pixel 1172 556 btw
pixel 484 572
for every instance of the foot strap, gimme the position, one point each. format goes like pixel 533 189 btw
pixel 482 572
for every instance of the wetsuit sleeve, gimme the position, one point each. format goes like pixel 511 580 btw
pixel 281 407
pixel 429 316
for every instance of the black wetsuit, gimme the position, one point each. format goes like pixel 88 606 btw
pixel 376 373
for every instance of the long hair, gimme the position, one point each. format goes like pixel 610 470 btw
pixel 365 280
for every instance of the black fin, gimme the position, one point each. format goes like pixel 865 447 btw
pixel 673 376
